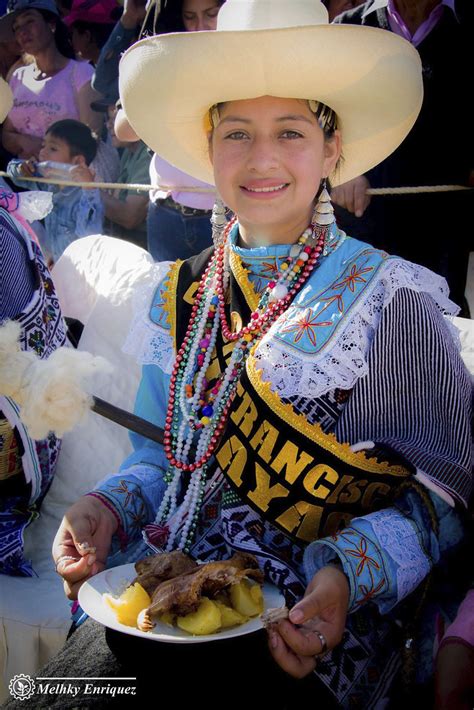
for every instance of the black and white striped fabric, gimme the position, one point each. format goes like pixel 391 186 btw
pixel 415 371
pixel 17 271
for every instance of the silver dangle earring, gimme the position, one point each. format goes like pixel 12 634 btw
pixel 323 215
pixel 218 221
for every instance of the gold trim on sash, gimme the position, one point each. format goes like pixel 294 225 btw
pixel 241 276
pixel 314 432
pixel 169 296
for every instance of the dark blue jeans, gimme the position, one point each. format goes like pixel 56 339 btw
pixel 172 235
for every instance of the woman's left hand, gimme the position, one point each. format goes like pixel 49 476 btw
pixel 294 643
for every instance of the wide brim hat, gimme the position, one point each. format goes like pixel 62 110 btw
pixel 6 99
pixel 14 9
pixel 370 77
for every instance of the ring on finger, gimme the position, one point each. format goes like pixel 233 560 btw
pixel 62 559
pixel 324 644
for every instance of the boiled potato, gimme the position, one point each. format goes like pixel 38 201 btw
pixel 247 599
pixel 129 604
pixel 257 595
pixel 206 620
pixel 230 616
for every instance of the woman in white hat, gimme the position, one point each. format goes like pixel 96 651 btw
pixel 315 407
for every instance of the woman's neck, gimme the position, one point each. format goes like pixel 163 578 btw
pixel 265 235
pixel 50 61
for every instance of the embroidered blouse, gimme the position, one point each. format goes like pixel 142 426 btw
pixel 354 353
pixel 27 295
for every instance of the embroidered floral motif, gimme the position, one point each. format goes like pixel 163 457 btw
pixel 354 278
pixel 137 517
pixel 306 325
pixel 338 299
pixel 368 594
pixel 361 553
pixel 366 566
pixel 128 501
pixel 270 268
pixel 123 489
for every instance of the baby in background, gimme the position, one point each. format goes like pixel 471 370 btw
pixel 76 212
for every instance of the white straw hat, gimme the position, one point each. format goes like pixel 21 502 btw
pixel 6 99
pixel 370 77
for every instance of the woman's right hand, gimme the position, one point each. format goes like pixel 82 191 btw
pixel 82 543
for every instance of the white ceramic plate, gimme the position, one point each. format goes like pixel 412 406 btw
pixel 115 580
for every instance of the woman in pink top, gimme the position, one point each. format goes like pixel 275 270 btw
pixel 53 87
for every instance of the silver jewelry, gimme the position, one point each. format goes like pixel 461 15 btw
pixel 323 215
pixel 218 221
pixel 63 558
pixel 324 644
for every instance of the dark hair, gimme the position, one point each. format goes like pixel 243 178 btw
pixel 169 19
pixel 61 34
pixel 100 32
pixel 77 135
pixel 325 116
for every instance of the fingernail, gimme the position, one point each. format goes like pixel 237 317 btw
pixel 90 560
pixel 358 213
pixel 296 616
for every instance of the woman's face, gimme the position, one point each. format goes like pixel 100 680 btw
pixel 32 32
pixel 269 156
pixel 200 15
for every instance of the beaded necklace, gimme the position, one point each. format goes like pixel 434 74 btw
pixel 196 417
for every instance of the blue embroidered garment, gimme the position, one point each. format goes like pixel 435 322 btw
pixel 42 331
pixel 357 280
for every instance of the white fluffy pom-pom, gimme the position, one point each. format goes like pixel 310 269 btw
pixel 55 398
pixel 51 393
pixel 13 362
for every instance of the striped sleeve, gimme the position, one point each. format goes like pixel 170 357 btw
pixel 416 397
pixel 17 271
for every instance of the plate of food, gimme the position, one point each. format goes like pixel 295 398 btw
pixel 171 598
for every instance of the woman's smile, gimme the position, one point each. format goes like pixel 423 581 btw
pixel 264 189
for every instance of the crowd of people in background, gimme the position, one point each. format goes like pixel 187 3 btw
pixel 61 60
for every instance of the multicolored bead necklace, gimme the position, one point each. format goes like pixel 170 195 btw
pixel 196 417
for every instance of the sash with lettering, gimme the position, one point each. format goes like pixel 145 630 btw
pixel 288 470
